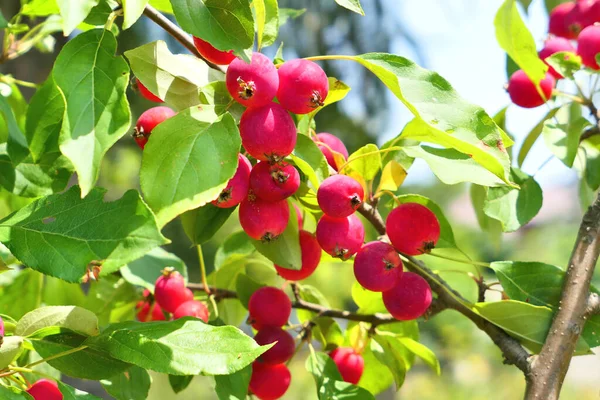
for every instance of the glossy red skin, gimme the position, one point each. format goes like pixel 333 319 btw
pixel 327 142
pixel 274 182
pixel 349 363
pixel 237 187
pixel 552 46
pixel 212 54
pixel 146 93
pixel 340 195
pixel 413 229
pixel 409 299
pixel 299 216
pixel 268 132
pixel 269 306
pixel 523 92
pixel 311 256
pixel 263 220
pixel 282 351
pixel 260 74
pixel 588 46
pixel 149 312
pixel 192 308
pixel 377 266
pixel 170 291
pixel 269 382
pixel 45 389
pixel 562 21
pixel 303 86
pixel 148 121
pixel 340 237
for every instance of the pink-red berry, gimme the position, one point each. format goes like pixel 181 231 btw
pixel 170 291
pixel 254 84
pixel 148 121
pixel 45 389
pixel 269 382
pixel 311 256
pixel 377 266
pixel 523 92
pixel 328 144
pixel 148 309
pixel 237 187
pixel 409 299
pixel 212 54
pixel 588 46
pixel 263 220
pixel 340 195
pixel 563 21
pixel 284 346
pixel 147 93
pixel 413 229
pixel 269 306
pixel 340 237
pixel 552 46
pixel 192 308
pixel 303 86
pixel 350 363
pixel 274 182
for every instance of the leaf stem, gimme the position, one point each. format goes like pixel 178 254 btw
pixel 459 260
pixel 392 195
pixel 203 269
pixel 370 153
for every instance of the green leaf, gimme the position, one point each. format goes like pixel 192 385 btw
pixel 365 161
pixel 145 271
pixel 43 237
pixel 310 160
pixel 589 159
pixel 376 377
pixel 245 286
pixel 389 352
pixel 202 223
pixel 185 346
pixel 533 135
pixel 312 295
pixel 286 13
pixel 133 384
pixel 74 318
pixel 525 4
pixel 236 246
pixel 368 302
pixel 490 225
pixel 233 386
pixel 3 22
pixel 40 8
pixel 514 207
pixel 10 349
pixel 162 5
pixel 328 332
pixel 132 11
pixel 225 24
pixel 70 393
pixel 562 137
pixel 16 144
pixel 98 15
pixel 392 176
pixel 216 94
pixel 12 393
pixel 514 37
pixel 565 63
pixel 57 292
pixel 267 22
pixel 202 156
pixel 20 292
pixel 44 120
pixel 329 381
pixel 114 291
pixel 93 82
pixel 352 5
pixel 422 352
pixel 180 382
pixel 74 13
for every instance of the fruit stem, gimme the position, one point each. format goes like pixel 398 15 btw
pixel 18 382
pixel 333 57
pixel 370 153
pixel 576 99
pixel 459 260
pixel 392 195
pixel 203 269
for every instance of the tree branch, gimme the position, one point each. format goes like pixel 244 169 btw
pixel 549 368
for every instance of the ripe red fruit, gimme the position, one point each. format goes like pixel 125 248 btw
pixel 45 389
pixel 377 266
pixel 269 382
pixel 552 46
pixel 192 308
pixel 149 311
pixel 269 306
pixel 349 363
pixel 340 195
pixel 170 291
pixel 148 121
pixel 340 237
pixel 254 84
pixel 413 229
pixel 237 187
pixel 327 144
pixel 282 351
pixel 303 86
pixel 589 46
pixel 409 299
pixel 263 220
pixel 146 93
pixel 311 255
pixel 523 92
pixel 268 132
pixel 563 22
pixel 274 182
pixel 212 54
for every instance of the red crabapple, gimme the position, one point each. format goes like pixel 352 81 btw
pixel 212 54
pixel 282 351
pixel 192 308
pixel 377 266
pixel 269 382
pixel 303 86
pixel 328 144
pixel 268 132
pixel 523 92
pixel 237 187
pixel 413 229
pixel 409 299
pixel 263 220
pixel 552 46
pixel 588 46
pixel 148 121
pixel 269 306
pixel 170 291
pixel 274 182
pixel 340 237
pixel 311 255
pixel 45 389
pixel 147 93
pixel 340 195
pixel 349 363
pixel 149 312
pixel 561 22
pixel 254 84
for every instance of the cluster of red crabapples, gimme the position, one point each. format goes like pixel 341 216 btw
pixel 570 23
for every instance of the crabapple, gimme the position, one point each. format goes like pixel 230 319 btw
pixel 274 182
pixel 268 132
pixel 340 195
pixel 562 22
pixel 523 92
pixel 148 309
pixel 409 299
pixel 45 389
pixel 192 308
pixel 263 220
pixel 350 363
pixel 303 86
pixel 311 255
pixel 377 266
pixel 237 187
pixel 170 291
pixel 283 349
pixel 588 46
pixel 212 54
pixel 269 306
pixel 552 46
pixel 328 144
pixel 413 229
pixel 254 84
pixel 340 237
pixel 147 93
pixel 269 382
pixel 148 121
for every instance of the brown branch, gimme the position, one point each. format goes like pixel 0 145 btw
pixel 595 130
pixel 549 368
pixel 217 293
